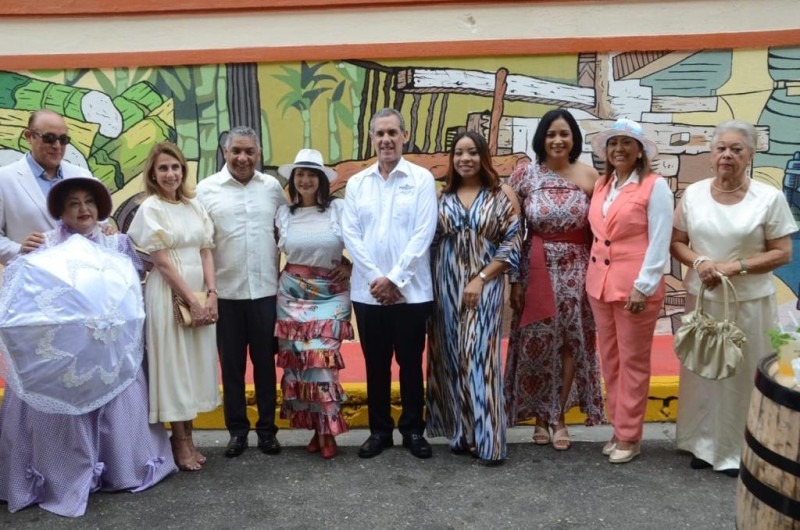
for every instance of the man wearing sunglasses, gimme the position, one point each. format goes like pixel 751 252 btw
pixel 24 184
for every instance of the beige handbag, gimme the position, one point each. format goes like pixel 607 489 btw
pixel 709 348
pixel 183 315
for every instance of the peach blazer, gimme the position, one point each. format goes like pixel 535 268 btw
pixel 620 241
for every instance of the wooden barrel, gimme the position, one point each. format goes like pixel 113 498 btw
pixel 768 492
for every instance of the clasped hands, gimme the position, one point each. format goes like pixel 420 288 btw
pixel 204 315
pixel 711 273
pixel 384 291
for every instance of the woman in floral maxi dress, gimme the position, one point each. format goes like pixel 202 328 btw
pixel 552 361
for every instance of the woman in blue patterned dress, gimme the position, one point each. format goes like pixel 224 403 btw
pixel 313 303
pixel 476 242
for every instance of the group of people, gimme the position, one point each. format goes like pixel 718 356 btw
pixel 585 255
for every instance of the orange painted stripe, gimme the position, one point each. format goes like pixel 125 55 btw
pixel 55 8
pixel 474 48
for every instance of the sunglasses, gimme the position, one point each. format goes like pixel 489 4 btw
pixel 51 138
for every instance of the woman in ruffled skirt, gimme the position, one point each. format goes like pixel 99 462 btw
pixel 313 303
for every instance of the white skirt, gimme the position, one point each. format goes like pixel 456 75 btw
pixel 712 414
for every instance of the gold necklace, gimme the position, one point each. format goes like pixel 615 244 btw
pixel 737 188
pixel 169 200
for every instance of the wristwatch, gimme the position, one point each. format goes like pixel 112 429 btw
pixel 483 277
pixel 744 267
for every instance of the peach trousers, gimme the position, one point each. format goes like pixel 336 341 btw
pixel 624 342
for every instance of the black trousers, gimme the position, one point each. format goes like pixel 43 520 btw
pixel 243 325
pixel 393 330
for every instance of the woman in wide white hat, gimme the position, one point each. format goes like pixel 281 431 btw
pixel 313 302
pixel 631 218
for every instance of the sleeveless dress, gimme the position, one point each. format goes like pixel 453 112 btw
pixel 465 387
pixel 534 365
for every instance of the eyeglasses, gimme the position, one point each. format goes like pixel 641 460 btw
pixel 51 138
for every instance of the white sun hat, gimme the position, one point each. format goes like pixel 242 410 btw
pixel 623 127
pixel 307 158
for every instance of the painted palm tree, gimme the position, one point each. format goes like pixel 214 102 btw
pixel 304 89
pixel 355 75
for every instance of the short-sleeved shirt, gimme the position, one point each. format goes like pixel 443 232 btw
pixel 734 231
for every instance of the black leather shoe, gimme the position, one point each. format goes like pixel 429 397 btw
pixel 236 445
pixel 374 445
pixel 269 444
pixel 418 445
pixel 696 463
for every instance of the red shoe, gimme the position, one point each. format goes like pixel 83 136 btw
pixel 329 448
pixel 313 445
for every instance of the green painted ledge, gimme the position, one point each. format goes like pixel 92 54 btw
pixel 662 405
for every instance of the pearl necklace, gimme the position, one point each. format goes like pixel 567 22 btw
pixel 737 188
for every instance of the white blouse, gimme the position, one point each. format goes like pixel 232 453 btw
pixel 310 237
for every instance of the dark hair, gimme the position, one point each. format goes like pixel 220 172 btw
pixel 487 174
pixel 541 134
pixel 643 166
pixel 323 191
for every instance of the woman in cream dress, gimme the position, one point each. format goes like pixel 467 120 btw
pixel 731 225
pixel 177 233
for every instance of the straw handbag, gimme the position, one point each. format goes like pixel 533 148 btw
pixel 183 315
pixel 707 347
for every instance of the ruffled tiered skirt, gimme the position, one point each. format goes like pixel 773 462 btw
pixel 313 319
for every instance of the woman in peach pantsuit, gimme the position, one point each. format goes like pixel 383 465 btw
pixel 631 218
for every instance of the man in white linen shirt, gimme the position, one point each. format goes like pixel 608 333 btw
pixel 242 203
pixel 388 225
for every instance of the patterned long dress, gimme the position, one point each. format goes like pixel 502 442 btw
pixel 534 364
pixel 464 393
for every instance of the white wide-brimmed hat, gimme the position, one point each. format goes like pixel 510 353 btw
pixel 623 127
pixel 307 158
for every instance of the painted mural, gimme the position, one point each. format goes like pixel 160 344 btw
pixel 116 115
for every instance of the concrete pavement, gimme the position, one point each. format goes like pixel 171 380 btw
pixel 536 488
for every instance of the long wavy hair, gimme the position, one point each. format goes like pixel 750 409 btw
pixel 487 174
pixel 151 187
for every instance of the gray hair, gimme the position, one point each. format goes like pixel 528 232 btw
pixel 385 113
pixel 241 131
pixel 747 131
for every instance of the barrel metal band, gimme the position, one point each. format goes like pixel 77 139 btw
pixel 769 496
pixel 774 391
pixel 770 456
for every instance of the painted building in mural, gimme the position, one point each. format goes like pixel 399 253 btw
pixel 116 115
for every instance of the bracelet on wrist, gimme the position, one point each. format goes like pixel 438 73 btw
pixel 212 291
pixel 743 266
pixel 699 260
pixel 483 277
